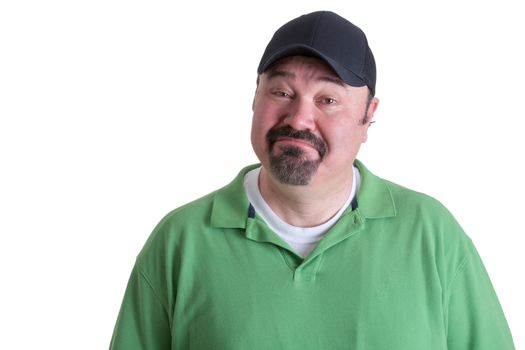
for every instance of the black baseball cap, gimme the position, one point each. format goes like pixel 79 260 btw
pixel 324 34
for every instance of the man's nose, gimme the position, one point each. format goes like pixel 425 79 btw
pixel 301 115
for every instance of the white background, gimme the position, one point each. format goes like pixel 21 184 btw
pixel 112 113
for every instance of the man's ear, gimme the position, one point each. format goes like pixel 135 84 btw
pixel 372 107
pixel 255 94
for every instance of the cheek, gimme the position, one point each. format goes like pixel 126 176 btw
pixel 344 138
pixel 265 117
pixel 260 127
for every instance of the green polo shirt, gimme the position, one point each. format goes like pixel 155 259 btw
pixel 395 272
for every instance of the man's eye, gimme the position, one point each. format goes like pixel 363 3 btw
pixel 281 93
pixel 327 100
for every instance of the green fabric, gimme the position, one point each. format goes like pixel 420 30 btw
pixel 396 273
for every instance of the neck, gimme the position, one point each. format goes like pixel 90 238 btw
pixel 305 206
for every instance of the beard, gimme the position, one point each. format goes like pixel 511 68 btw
pixel 292 165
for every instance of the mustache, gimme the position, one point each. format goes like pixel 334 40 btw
pixel 287 131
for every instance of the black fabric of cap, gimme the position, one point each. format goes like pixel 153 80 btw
pixel 330 37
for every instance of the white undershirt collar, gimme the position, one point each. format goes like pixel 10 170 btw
pixel 302 239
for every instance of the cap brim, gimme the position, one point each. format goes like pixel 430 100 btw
pixel 345 74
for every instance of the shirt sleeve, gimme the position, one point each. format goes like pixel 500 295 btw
pixel 143 321
pixel 475 319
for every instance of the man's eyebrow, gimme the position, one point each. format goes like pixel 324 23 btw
pixel 333 80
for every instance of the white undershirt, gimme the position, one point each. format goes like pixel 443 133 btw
pixel 301 239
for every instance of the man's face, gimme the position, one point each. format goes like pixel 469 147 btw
pixel 307 124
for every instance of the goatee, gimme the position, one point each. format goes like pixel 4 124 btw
pixel 291 165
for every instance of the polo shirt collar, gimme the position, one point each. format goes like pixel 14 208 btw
pixel 375 200
pixel 230 205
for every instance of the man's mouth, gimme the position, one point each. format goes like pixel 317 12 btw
pixel 286 135
pixel 295 142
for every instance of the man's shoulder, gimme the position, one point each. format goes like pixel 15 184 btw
pixel 222 208
pixel 409 208
pixel 201 210
pixel 196 210
pixel 406 198
pixel 176 224
pixel 379 197
pixel 419 214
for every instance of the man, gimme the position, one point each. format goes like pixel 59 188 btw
pixel 309 249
